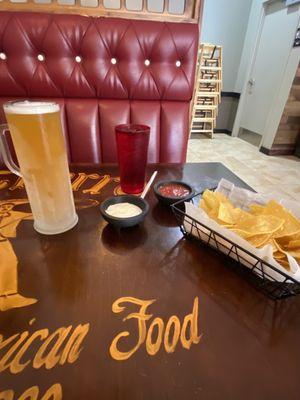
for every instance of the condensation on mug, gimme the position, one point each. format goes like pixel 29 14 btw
pixel 36 132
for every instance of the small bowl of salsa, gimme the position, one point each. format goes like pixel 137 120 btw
pixel 169 192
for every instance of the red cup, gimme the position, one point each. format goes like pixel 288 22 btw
pixel 132 148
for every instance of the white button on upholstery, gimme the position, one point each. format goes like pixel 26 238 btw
pixel 41 57
pixel 178 63
pixel 78 59
pixel 2 56
pixel 113 61
pixel 147 63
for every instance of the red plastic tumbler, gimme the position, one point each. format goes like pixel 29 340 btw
pixel 132 147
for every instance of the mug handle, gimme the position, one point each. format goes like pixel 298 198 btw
pixel 4 149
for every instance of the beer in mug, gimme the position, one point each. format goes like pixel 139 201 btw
pixel 36 132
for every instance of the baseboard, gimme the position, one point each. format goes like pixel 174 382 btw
pixel 279 150
pixel 227 131
pixel 235 95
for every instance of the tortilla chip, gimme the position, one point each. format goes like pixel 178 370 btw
pixel 279 255
pixel 284 263
pixel 256 209
pixel 256 240
pixel 264 224
pixel 211 200
pixel 284 241
pixel 291 223
pixel 260 224
pixel 230 215
pixel 294 245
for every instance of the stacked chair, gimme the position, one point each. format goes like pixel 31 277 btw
pixel 208 87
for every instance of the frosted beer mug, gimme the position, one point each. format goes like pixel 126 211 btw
pixel 36 132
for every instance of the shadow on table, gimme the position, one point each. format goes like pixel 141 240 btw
pixel 122 241
pixel 164 216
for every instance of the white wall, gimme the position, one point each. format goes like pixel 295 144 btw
pixel 225 23
pixel 249 43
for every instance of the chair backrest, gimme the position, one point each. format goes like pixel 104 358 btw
pixel 102 72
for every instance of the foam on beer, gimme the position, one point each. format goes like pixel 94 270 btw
pixel 30 107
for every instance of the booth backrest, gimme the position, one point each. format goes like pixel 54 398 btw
pixel 103 72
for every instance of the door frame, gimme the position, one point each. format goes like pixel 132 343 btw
pixel 278 104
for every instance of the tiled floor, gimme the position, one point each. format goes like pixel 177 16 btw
pixel 265 174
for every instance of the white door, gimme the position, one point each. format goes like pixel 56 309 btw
pixel 270 60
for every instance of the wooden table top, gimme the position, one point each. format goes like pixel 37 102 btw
pixel 139 314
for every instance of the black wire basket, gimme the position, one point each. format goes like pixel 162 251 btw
pixel 254 269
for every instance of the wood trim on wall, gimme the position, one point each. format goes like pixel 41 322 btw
pixel 289 126
pixel 192 12
pixel 279 150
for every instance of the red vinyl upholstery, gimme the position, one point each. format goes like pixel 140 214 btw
pixel 103 72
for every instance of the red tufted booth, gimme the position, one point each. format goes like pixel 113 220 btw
pixel 103 71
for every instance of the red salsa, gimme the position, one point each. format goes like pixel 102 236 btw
pixel 173 190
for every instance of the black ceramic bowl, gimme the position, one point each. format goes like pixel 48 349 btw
pixel 124 222
pixel 171 200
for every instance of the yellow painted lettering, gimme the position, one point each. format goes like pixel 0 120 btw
pixel 170 345
pixel 72 349
pixel 30 394
pixel 53 393
pixel 4 343
pixel 141 317
pixel 82 177
pixel 192 321
pixel 18 366
pixel 153 347
pixel 96 189
pixel 51 358
pixel 5 361
pixel 19 184
pixel 4 182
pixel 7 395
